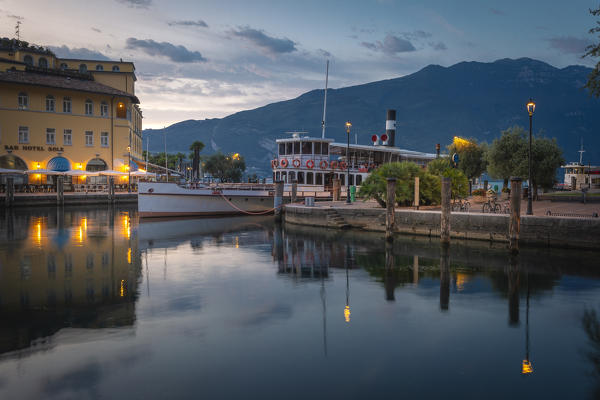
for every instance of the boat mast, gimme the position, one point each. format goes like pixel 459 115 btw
pixel 581 151
pixel 325 102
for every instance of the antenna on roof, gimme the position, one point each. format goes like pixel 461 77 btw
pixel 325 102
pixel 18 30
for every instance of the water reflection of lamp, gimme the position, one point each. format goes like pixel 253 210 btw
pixel 527 367
pixel 347 308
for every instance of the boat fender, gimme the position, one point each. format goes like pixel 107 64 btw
pixel 323 164
pixel 296 163
pixel 333 164
pixel 310 164
pixel 342 165
pixel 284 163
pixel 274 163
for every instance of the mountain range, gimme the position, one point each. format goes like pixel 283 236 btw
pixel 469 99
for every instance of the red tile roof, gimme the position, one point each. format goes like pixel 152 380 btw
pixel 62 82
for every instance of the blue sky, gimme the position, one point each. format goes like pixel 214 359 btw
pixel 209 58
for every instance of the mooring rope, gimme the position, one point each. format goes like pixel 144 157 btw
pixel 253 212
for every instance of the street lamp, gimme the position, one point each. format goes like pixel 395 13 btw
pixel 530 110
pixel 348 125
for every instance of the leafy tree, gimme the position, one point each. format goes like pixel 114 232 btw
pixel 375 186
pixel 546 158
pixel 505 154
pixel 439 165
pixel 196 148
pixel 471 157
pixel 227 168
pixel 458 181
pixel 158 159
pixel 593 51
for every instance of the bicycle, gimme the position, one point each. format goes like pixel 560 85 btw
pixel 491 206
pixel 461 205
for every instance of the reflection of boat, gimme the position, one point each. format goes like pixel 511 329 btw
pixel 169 199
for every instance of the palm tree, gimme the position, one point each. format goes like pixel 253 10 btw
pixel 196 147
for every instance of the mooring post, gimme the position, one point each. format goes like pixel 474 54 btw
pixel 294 191
pixel 445 217
pixel 515 213
pixel 337 188
pixel 10 191
pixel 60 190
pixel 278 200
pixel 417 192
pixel 390 214
pixel 111 189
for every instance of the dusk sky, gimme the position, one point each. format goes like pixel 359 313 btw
pixel 209 58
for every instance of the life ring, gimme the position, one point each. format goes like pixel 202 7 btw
pixel 310 164
pixel 323 164
pixel 333 164
pixel 296 163
pixel 284 163
pixel 363 168
pixel 342 165
pixel 274 163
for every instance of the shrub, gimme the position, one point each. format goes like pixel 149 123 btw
pixel 478 192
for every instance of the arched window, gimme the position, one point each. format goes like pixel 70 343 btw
pixel 63 66
pixel 96 164
pixel 23 100
pixel 28 60
pixel 115 68
pixel 82 68
pixel 10 161
pixel 121 110
pixel 99 67
pixel 43 63
pixel 50 103
pixel 89 107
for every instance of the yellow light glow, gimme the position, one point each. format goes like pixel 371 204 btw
pixel 84 223
pixel 236 156
pixel 237 242
pixel 461 279
pixel 126 226
pixel 122 289
pixel 78 166
pixel 141 170
pixel 80 235
pixel 527 367
pixel 531 107
pixel 38 166
pixel 38 232
pixel 129 255
pixel 461 143
pixel 347 313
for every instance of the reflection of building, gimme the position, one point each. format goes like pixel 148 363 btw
pixel 71 270
pixel 66 114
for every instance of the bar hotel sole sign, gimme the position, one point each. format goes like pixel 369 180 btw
pixel 32 148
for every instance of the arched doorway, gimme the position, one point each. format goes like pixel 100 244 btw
pixel 59 164
pixel 10 161
pixel 95 165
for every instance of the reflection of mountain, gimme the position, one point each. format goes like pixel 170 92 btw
pixel 78 268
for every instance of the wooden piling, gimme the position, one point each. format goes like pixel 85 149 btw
pixel 515 213
pixel 417 192
pixel 278 200
pixel 294 191
pixel 10 191
pixel 111 189
pixel 445 217
pixel 60 190
pixel 390 220
pixel 337 188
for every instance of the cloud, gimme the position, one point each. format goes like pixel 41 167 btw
pixel 324 53
pixel 81 53
pixel 569 44
pixel 136 3
pixel 17 17
pixel 439 46
pixel 418 34
pixel 497 11
pixel 198 23
pixel 268 43
pixel 165 49
pixel 391 45
pixel 96 30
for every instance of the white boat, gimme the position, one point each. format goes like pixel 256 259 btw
pixel 161 199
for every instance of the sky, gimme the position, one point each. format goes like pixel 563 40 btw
pixel 198 59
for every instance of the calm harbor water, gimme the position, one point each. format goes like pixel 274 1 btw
pixel 94 304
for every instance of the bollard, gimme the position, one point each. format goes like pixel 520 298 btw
pixel 445 217
pixel 60 190
pixel 417 192
pixel 445 277
pixel 278 200
pixel 10 191
pixel 515 214
pixel 337 188
pixel 391 208
pixel 294 191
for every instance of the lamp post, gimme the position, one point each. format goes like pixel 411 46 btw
pixel 530 110
pixel 348 125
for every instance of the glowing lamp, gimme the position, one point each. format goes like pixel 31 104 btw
pixel 348 126
pixel 531 107
pixel 38 166
pixel 236 156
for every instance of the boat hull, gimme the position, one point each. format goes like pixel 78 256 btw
pixel 170 200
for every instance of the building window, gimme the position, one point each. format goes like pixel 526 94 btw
pixel 104 109
pixel 89 138
pixel 67 105
pixel 67 137
pixel 121 110
pixel 28 60
pixel 82 68
pixel 50 102
pixel 50 136
pixel 43 63
pixel 104 139
pixel 23 134
pixel 23 100
pixel 63 66
pixel 99 67
pixel 89 107
pixel 115 68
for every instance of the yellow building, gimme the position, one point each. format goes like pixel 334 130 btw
pixel 66 114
